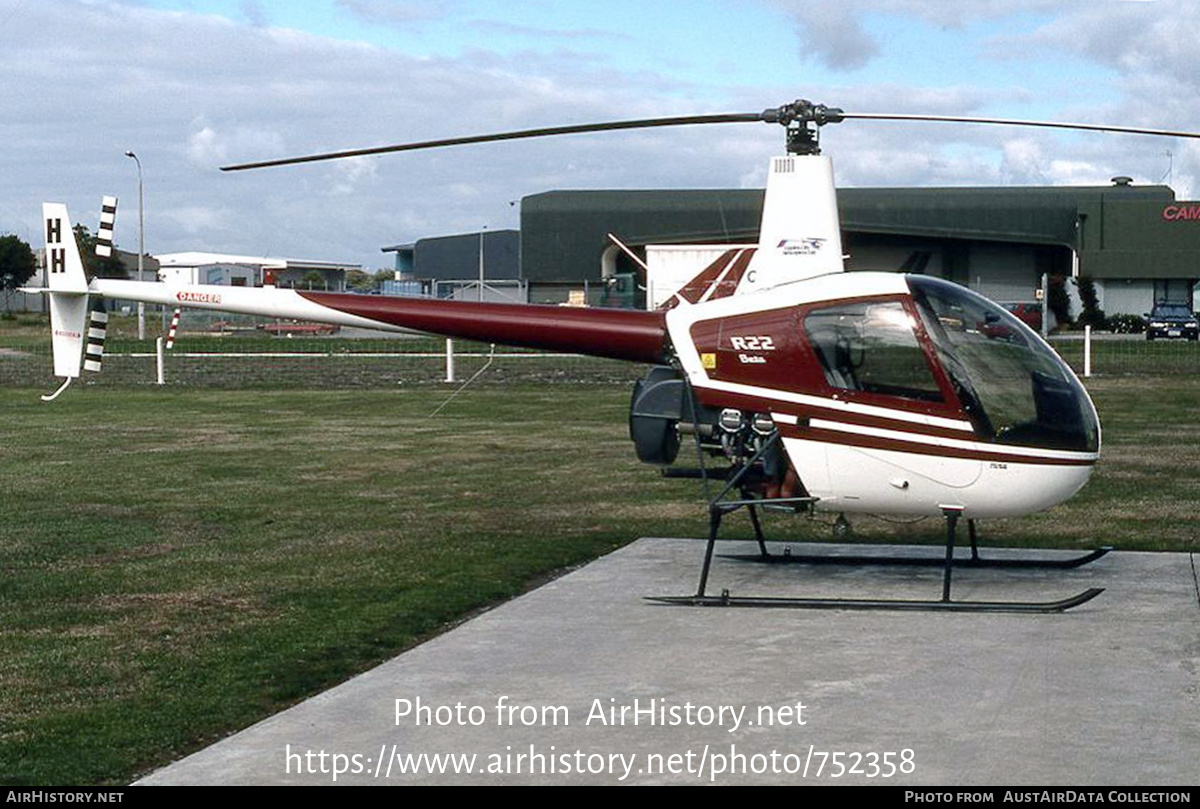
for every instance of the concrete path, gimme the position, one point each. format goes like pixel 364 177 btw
pixel 582 681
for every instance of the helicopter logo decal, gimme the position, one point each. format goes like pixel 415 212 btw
pixel 800 247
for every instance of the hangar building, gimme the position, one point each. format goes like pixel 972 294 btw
pixel 252 271
pixel 445 260
pixel 1138 243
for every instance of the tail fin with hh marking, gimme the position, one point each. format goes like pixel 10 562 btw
pixel 68 291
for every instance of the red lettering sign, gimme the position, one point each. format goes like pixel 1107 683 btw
pixel 1186 212
pixel 197 297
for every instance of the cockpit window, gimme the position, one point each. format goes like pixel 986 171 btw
pixel 871 347
pixel 1014 388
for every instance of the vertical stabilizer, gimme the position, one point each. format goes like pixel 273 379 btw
pixel 68 291
pixel 800 236
pixel 64 268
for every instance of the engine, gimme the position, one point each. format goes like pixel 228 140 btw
pixel 664 417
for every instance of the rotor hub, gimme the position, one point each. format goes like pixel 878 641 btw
pixel 803 120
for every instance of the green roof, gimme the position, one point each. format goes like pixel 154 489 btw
pixel 1120 230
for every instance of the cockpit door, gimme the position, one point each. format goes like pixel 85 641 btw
pixel 896 402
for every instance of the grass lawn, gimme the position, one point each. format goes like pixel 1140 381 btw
pixel 176 563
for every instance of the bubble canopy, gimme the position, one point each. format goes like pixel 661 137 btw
pixel 1014 387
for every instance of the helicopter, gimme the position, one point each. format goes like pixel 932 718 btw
pixel 814 389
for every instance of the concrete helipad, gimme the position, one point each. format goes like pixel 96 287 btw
pixel 583 681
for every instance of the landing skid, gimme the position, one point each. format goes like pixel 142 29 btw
pixel 719 507
pixel 726 600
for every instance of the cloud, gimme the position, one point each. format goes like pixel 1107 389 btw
pixel 203 147
pixel 835 33
pixel 590 35
pixel 1150 48
pixel 351 174
pixel 189 93
pixel 208 147
pixel 196 220
pixel 1025 163
pixel 397 12
pixel 254 12
pixel 1128 37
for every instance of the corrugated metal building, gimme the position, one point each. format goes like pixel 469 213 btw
pixel 1137 242
pixel 457 258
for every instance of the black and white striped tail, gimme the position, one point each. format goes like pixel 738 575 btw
pixel 97 329
pixel 108 220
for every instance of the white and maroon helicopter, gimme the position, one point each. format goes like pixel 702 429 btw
pixel 863 392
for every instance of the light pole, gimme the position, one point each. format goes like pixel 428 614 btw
pixel 141 247
pixel 481 262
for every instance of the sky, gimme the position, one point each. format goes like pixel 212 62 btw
pixel 190 85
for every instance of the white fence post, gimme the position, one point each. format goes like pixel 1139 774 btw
pixel 1087 351
pixel 449 360
pixel 158 352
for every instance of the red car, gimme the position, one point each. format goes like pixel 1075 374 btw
pixel 1029 313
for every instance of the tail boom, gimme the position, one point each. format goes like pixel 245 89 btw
pixel 621 334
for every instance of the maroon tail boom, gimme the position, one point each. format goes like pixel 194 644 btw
pixel 621 334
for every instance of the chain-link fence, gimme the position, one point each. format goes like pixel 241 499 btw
pixel 232 352
pixel 1127 354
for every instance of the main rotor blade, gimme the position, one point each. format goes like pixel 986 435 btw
pixel 956 119
pixel 803 112
pixel 647 123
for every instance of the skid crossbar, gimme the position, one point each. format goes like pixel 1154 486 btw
pixel 791 558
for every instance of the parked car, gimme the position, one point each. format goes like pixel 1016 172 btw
pixel 1028 312
pixel 1172 320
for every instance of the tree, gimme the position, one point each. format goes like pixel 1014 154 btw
pixel 1092 314
pixel 312 280
pixel 359 281
pixel 95 266
pixel 17 262
pixel 1059 302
